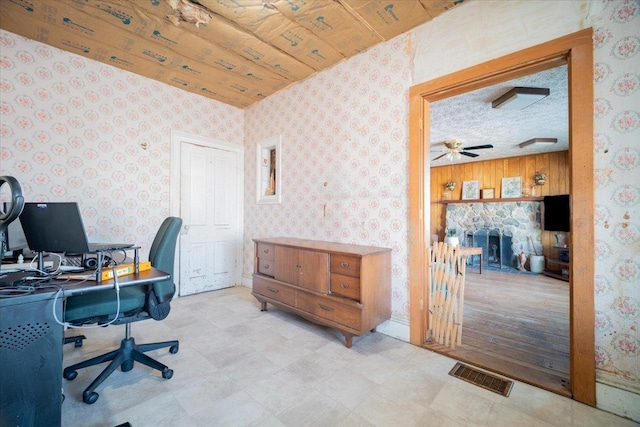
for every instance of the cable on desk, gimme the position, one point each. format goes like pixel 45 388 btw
pixel 124 256
pixel 33 266
pixel 24 286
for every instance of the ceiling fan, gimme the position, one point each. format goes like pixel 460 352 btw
pixel 455 149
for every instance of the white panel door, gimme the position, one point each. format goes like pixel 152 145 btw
pixel 211 241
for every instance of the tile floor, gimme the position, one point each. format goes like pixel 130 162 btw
pixel 238 366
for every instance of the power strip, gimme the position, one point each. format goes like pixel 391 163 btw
pixel 25 266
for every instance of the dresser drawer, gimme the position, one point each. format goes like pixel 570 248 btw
pixel 266 267
pixel 330 310
pixel 274 291
pixel 345 286
pixel 344 264
pixel 266 251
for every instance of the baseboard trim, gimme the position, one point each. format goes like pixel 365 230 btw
pixel 396 328
pixel 247 282
pixel 617 400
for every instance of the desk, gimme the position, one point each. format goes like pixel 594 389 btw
pixel 31 349
pixel 470 250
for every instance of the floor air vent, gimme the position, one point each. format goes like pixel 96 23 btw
pixel 482 379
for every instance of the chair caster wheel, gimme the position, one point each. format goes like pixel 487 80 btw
pixel 70 375
pixel 167 373
pixel 173 349
pixel 90 398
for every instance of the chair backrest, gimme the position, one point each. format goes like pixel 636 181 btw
pixel 162 255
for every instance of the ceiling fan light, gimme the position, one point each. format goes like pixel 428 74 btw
pixel 520 97
pixel 538 141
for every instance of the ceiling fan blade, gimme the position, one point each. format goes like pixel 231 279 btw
pixel 478 147
pixel 439 157
pixel 464 153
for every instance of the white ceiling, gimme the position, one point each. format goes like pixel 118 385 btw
pixel 469 117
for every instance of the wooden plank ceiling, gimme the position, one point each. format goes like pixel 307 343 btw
pixel 234 51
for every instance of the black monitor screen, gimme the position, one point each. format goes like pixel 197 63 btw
pixel 556 213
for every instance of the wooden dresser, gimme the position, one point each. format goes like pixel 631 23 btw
pixel 343 286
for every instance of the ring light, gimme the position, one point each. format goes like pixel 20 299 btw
pixel 17 200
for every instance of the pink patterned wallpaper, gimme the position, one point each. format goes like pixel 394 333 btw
pixel 348 127
pixel 344 159
pixel 72 129
pixel 617 193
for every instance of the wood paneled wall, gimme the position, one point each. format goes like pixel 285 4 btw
pixel 490 173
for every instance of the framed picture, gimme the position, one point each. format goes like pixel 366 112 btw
pixel 470 190
pixel 268 170
pixel 511 187
pixel 488 193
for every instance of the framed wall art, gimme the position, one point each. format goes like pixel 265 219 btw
pixel 470 190
pixel 269 170
pixel 511 187
pixel 488 193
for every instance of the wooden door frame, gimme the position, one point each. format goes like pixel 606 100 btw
pixel 575 50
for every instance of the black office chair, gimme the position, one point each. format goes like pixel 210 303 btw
pixel 136 303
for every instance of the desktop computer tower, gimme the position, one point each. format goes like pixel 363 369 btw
pixel 30 360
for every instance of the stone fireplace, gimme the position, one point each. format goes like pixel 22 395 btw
pixel 501 229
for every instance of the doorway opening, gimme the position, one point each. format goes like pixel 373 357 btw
pixel 576 50
pixel 515 321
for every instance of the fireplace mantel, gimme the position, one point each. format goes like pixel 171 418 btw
pixel 507 200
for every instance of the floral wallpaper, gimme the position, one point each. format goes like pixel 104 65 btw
pixel 617 192
pixel 344 160
pixel 72 129
pixel 345 150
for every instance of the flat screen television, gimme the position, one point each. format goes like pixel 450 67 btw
pixel 556 213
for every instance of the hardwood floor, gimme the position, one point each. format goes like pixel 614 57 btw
pixel 516 325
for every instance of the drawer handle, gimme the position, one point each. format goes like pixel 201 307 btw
pixel 266 251
pixel 275 291
pixel 344 285
pixel 266 267
pixel 345 264
pixel 324 307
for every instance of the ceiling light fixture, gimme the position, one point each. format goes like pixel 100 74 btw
pixel 520 97
pixel 451 156
pixel 454 146
pixel 538 141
